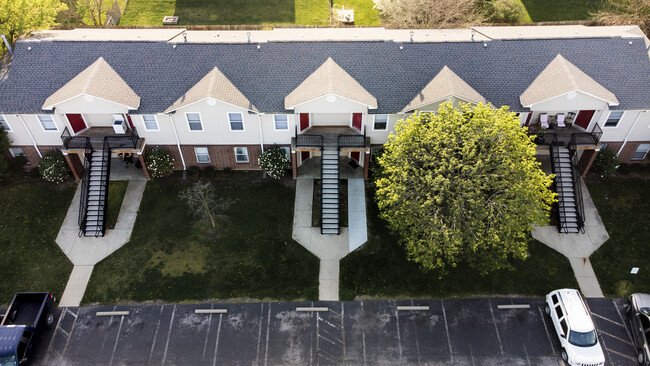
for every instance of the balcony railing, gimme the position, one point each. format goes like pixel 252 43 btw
pixel 305 140
pixel 352 141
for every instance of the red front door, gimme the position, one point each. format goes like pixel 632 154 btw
pixel 304 155
pixel 583 119
pixel 356 121
pixel 304 121
pixel 528 118
pixel 128 117
pixel 355 155
pixel 76 122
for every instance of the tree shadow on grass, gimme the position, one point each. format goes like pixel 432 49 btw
pixel 204 12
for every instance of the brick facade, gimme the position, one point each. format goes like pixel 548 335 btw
pixel 628 151
pixel 221 156
pixel 32 156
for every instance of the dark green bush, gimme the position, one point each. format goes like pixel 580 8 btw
pixel 606 163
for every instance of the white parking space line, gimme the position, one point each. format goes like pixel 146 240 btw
pixel 444 314
pixel 526 353
pixel 67 342
pixel 343 329
pixel 415 336
pixel 399 338
pixel 548 335
pixel 363 339
pixel 117 338
pixel 494 321
pixel 67 310
pixel 216 344
pixel 268 329
pixel 607 319
pixel 615 337
pixel 259 334
pixel 622 321
pixel 169 333
pixel 155 334
pixel 207 333
pixel 621 354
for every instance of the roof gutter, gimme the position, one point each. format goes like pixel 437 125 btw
pixel 629 132
pixel 30 135
pixel 259 118
pixel 178 142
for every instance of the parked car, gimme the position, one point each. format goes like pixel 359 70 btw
pixel 575 328
pixel 639 314
pixel 21 325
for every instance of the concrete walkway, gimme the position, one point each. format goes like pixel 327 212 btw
pixel 85 252
pixel 578 247
pixel 329 248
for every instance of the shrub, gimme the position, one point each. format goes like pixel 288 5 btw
pixel 606 163
pixel 160 163
pixel 274 162
pixel 508 11
pixel 53 167
pixel 193 172
pixel 5 143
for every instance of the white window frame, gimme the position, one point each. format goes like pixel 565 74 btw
pixel 287 151
pixel 245 151
pixel 243 128
pixel 206 153
pixel 374 122
pixel 12 150
pixel 155 119
pixel 56 128
pixel 189 127
pixel 644 155
pixel 4 123
pixel 617 122
pixel 275 122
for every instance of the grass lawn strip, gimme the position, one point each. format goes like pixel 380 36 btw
pixel 380 269
pixel 559 10
pixel 116 191
pixel 32 212
pixel 224 12
pixel 624 207
pixel 174 258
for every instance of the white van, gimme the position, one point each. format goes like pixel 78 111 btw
pixel 575 328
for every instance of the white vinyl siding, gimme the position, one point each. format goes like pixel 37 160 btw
pixel 4 124
pixel 381 122
pixel 641 152
pixel 150 122
pixel 281 122
pixel 614 118
pixel 202 155
pixel 48 123
pixel 194 121
pixel 241 155
pixel 236 120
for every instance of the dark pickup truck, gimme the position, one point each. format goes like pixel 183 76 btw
pixel 27 315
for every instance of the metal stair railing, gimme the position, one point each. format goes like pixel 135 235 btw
pixel 309 140
pixel 322 187
pixel 586 138
pixel 103 185
pixel 560 210
pixel 85 187
pixel 577 191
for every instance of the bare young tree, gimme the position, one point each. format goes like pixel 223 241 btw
pixel 618 12
pixel 430 13
pixel 203 202
pixel 92 8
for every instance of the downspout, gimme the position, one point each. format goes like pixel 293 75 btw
pixel 178 142
pixel 629 132
pixel 259 118
pixel 30 135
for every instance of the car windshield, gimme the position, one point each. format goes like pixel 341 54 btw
pixel 7 360
pixel 645 311
pixel 587 339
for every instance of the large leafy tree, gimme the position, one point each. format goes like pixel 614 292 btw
pixel 23 16
pixel 462 184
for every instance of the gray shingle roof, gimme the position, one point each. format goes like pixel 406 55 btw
pixel 160 74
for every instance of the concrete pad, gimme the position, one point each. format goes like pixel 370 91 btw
pixel 586 277
pixel 328 290
pixel 76 287
pixel 125 220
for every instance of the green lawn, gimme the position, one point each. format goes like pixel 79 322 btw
pixel 380 269
pixel 558 10
pixel 32 211
pixel 624 206
pixel 172 258
pixel 208 12
pixel 116 191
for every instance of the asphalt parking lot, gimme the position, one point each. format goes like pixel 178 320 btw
pixel 450 332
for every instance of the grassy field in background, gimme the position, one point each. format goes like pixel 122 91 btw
pixel 559 10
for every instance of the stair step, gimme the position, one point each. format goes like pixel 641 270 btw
pixel 330 210
pixel 330 206
pixel 330 231
pixel 330 226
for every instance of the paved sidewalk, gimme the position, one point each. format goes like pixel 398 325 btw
pixel 578 247
pixel 328 248
pixel 85 252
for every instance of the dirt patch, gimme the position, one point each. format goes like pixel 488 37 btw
pixel 343 203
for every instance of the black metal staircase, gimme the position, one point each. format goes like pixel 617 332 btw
pixel 330 191
pixel 570 207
